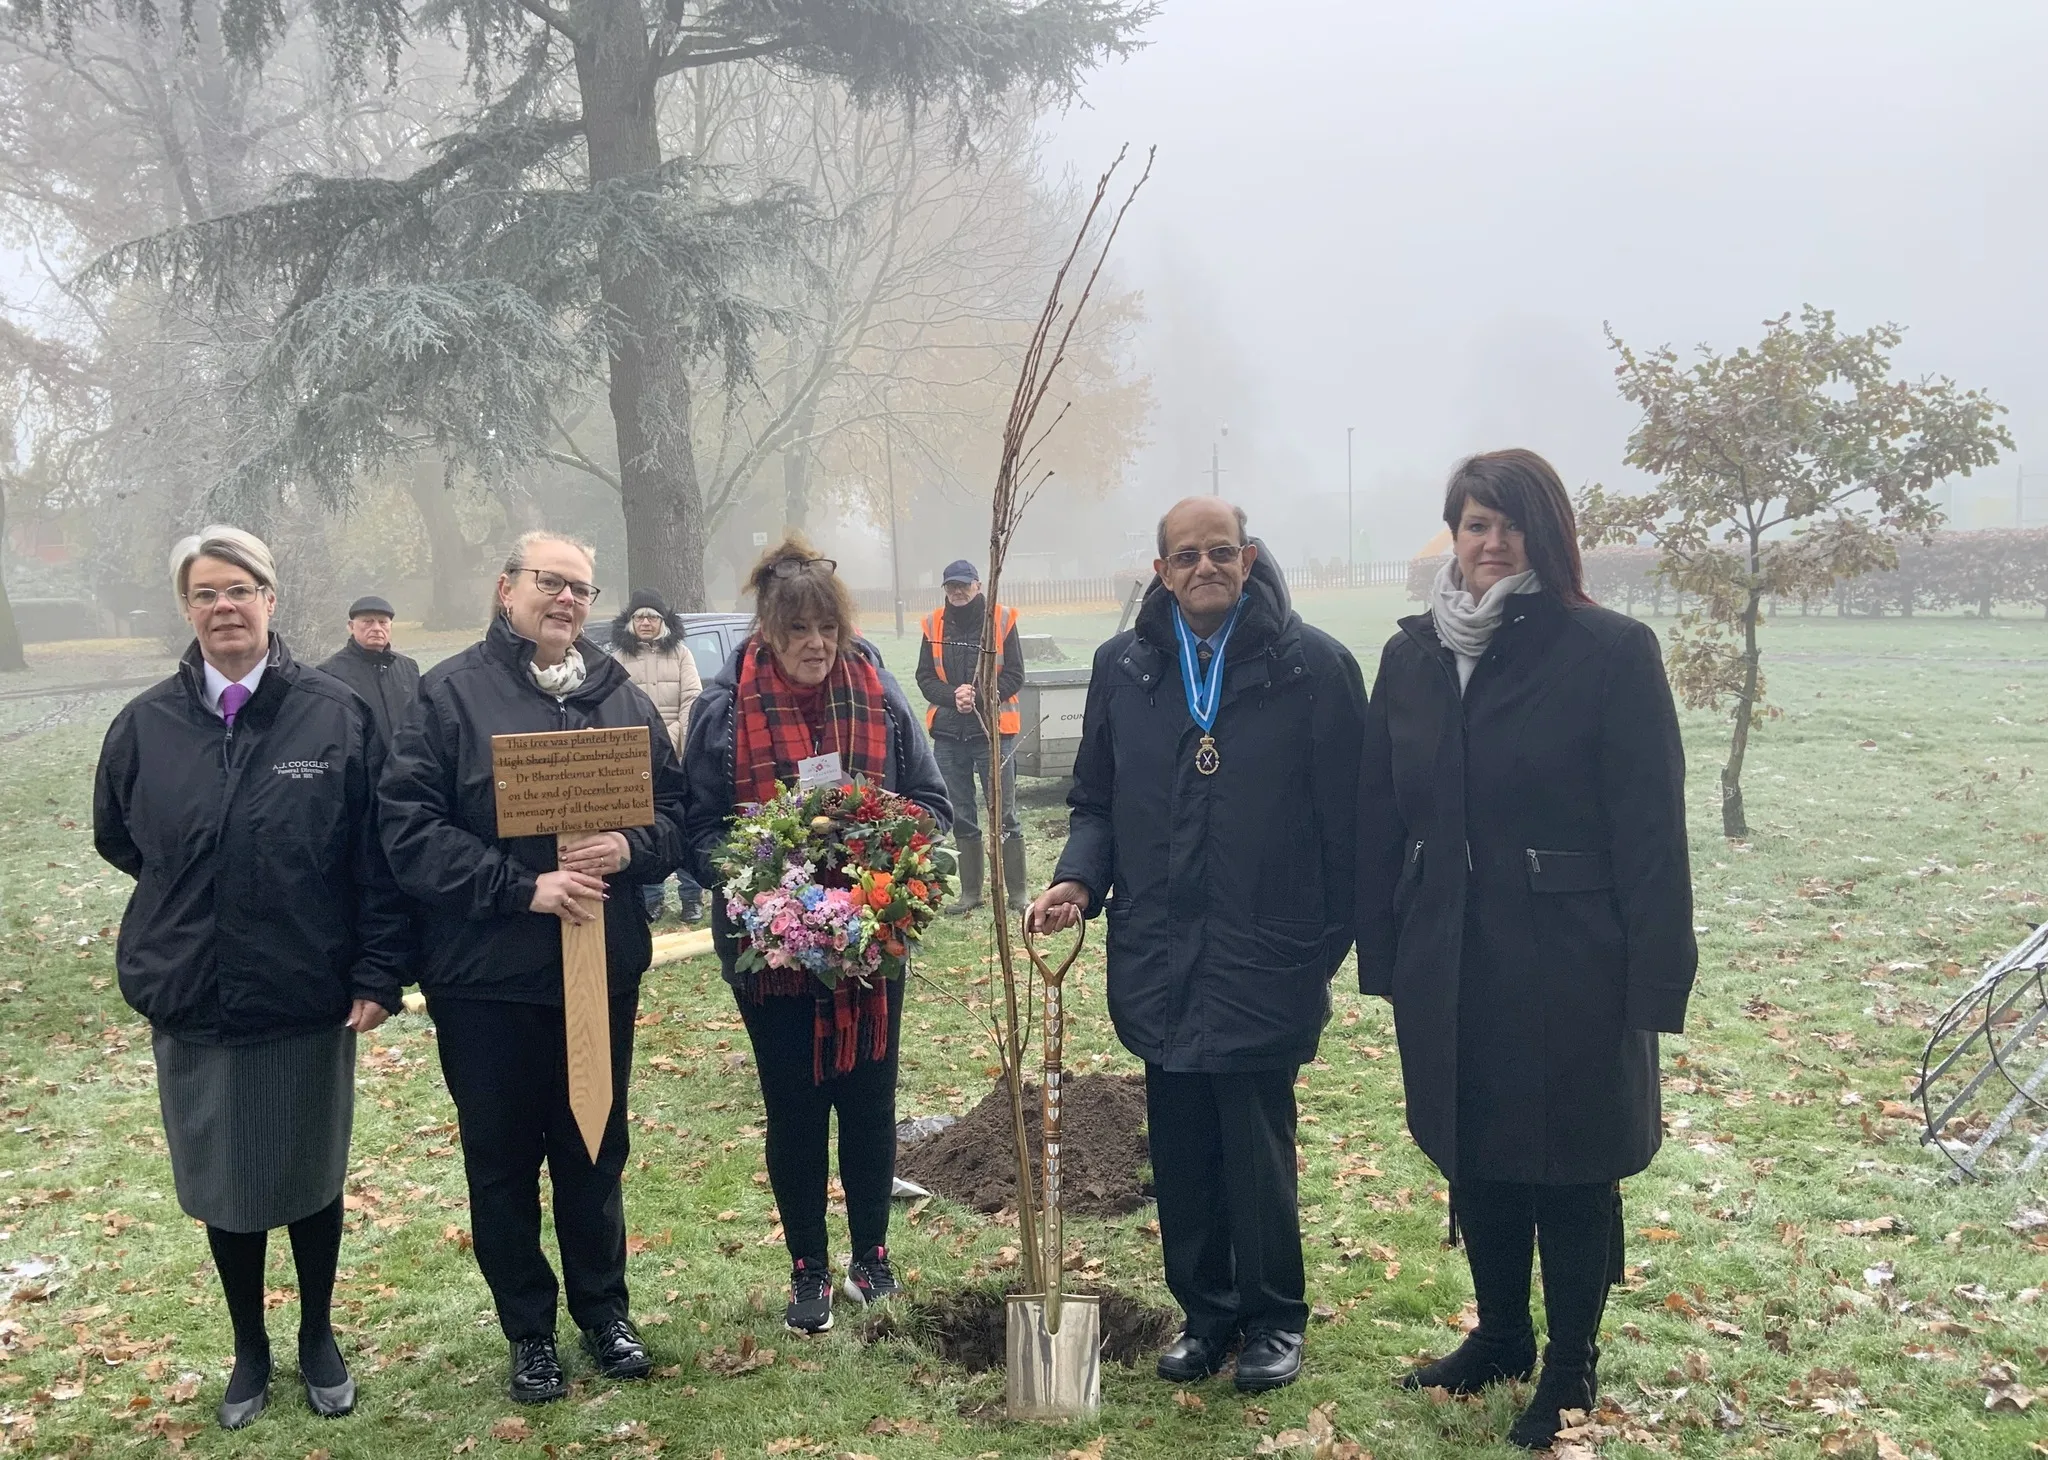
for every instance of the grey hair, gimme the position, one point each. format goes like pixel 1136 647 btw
pixel 1243 526
pixel 245 550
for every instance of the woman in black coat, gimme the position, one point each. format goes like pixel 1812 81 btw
pixel 263 936
pixel 492 910
pixel 1525 903
pixel 806 684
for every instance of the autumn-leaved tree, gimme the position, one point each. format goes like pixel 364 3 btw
pixel 551 239
pixel 1781 469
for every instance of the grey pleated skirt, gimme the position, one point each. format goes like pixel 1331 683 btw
pixel 258 1132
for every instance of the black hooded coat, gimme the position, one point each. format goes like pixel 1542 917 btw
pixel 1228 897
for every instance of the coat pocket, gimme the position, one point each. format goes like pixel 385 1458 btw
pixel 1409 884
pixel 1567 871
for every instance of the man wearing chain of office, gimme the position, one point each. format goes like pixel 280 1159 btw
pixel 1212 822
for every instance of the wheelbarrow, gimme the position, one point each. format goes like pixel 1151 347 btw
pixel 1053 1340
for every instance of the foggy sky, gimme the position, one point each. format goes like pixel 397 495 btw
pixel 1413 220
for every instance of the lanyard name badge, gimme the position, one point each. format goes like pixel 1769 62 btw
pixel 1204 692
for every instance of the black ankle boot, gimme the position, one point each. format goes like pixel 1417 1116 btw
pixel 1477 1362
pixel 1566 1383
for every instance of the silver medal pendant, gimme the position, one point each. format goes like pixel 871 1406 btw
pixel 1207 761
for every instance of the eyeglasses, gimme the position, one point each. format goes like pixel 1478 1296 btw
pixel 241 595
pixel 790 567
pixel 1222 555
pixel 552 585
pixel 646 616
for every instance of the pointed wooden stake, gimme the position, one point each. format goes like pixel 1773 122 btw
pixel 565 783
pixel 586 1019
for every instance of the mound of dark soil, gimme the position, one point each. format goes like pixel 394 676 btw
pixel 1102 1150
pixel 966 1326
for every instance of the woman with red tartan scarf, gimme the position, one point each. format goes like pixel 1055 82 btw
pixel 806 697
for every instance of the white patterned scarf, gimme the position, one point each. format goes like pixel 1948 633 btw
pixel 560 680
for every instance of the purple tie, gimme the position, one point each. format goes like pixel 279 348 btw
pixel 231 701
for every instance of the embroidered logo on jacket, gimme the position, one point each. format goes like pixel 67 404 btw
pixel 301 770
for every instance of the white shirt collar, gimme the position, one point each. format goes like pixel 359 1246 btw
pixel 217 683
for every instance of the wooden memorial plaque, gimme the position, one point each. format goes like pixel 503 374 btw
pixel 565 783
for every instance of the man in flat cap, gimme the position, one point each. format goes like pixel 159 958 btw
pixel 387 680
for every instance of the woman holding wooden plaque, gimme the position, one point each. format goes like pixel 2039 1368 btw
pixel 493 969
pixel 806 701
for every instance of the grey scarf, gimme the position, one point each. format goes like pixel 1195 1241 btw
pixel 1465 625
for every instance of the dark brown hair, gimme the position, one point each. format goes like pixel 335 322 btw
pixel 1526 489
pixel 814 592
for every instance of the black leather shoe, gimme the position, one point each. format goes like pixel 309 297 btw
pixel 234 1414
pixel 1189 1358
pixel 332 1401
pixel 617 1350
pixel 1268 1360
pixel 536 1371
pixel 252 1369
pixel 1476 1363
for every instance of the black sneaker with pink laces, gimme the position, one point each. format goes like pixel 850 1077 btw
pixel 869 1278
pixel 810 1296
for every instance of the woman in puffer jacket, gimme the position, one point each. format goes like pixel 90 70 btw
pixel 647 640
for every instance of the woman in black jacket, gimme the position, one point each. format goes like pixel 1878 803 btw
pixel 492 970
pixel 806 682
pixel 1525 903
pixel 263 935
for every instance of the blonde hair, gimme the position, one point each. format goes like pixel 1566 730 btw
pixel 245 550
pixel 815 592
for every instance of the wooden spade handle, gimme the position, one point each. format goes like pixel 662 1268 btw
pixel 1054 977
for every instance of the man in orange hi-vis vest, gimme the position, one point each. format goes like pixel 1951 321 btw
pixel 945 672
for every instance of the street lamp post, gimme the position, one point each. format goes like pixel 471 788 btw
pixel 895 563
pixel 1350 518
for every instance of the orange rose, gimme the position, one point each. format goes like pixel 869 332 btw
pixel 918 890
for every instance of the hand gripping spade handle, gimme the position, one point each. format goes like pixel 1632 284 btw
pixel 1052 1260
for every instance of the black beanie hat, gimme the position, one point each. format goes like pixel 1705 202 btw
pixel 646 598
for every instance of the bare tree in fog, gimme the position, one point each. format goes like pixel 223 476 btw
pixel 123 130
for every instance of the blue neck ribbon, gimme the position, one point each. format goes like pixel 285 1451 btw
pixel 1204 692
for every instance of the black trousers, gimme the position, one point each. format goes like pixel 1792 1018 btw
pixel 1223 1168
pixel 799 1113
pixel 507 1067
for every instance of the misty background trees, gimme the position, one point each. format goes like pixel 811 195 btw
pixel 389 291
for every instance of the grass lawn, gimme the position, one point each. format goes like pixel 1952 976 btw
pixel 1899 816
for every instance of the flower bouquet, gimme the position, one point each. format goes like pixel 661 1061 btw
pixel 837 882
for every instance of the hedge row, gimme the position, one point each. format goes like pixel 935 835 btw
pixel 1977 570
